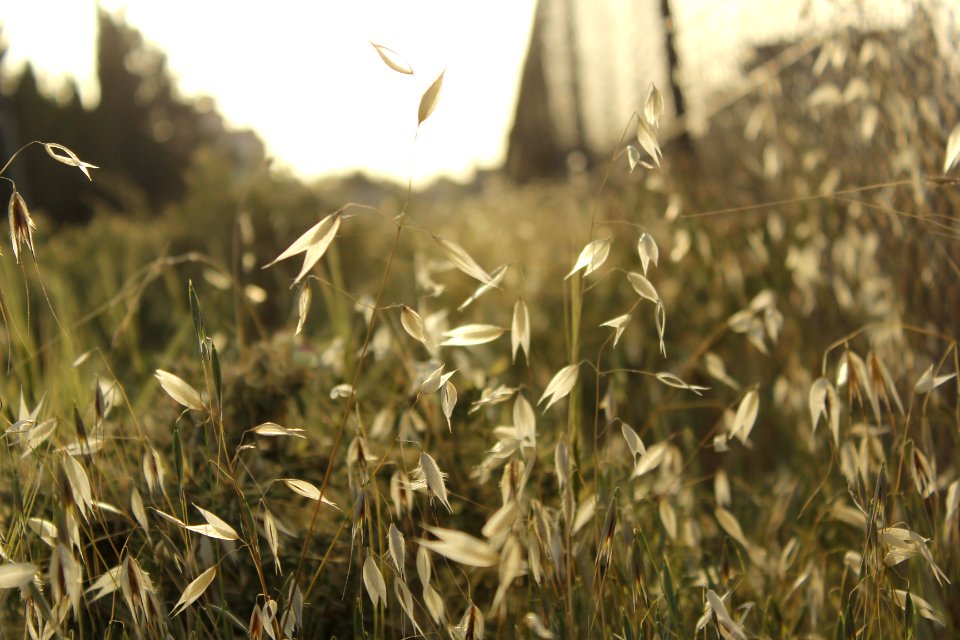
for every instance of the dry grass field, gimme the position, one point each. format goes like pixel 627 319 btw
pixel 668 399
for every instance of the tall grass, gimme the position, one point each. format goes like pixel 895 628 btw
pixel 712 422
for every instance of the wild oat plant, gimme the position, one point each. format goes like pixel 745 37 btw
pixel 531 450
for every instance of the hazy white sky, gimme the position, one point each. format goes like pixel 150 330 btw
pixel 303 74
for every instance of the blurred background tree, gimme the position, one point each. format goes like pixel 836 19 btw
pixel 142 133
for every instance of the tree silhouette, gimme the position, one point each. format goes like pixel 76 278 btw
pixel 29 115
pixel 146 134
pixel 142 134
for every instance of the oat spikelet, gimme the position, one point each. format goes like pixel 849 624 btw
pixel 434 479
pixel 373 581
pixel 61 154
pixel 21 225
pixel 17 574
pixel 471 624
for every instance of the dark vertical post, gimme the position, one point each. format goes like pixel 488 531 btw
pixel 673 65
pixel 673 60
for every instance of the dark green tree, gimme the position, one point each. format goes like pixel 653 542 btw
pixel 142 134
pixel 28 115
pixel 145 133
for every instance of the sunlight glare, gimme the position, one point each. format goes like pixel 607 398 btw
pixel 304 76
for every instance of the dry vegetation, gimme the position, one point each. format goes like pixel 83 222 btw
pixel 658 417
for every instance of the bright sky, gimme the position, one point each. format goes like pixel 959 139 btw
pixel 304 76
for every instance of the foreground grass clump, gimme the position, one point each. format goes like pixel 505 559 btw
pixel 615 425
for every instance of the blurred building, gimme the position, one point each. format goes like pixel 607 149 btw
pixel 591 62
